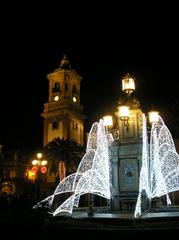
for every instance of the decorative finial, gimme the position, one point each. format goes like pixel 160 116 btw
pixel 65 63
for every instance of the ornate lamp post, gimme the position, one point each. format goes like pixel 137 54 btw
pixel 108 121
pixel 39 167
pixel 153 116
pixel 128 84
pixel 124 115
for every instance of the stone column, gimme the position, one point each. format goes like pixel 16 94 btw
pixel 115 203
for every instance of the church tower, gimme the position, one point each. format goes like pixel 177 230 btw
pixel 63 114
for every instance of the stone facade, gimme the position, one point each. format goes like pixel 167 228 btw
pixel 63 114
pixel 126 158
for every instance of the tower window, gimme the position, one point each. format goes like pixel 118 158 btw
pixel 74 89
pixel 66 86
pixel 54 125
pixel 75 126
pixel 56 87
pixel 6 174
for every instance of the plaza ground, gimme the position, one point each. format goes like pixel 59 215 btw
pixel 82 226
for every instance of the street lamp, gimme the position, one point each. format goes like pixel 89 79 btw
pixel 39 166
pixel 39 163
pixel 153 116
pixel 108 122
pixel 128 84
pixel 124 115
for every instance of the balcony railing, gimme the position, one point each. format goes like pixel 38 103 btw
pixel 60 105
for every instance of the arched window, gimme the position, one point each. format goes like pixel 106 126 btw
pixel 54 125
pixel 75 126
pixel 56 87
pixel 66 86
pixel 74 89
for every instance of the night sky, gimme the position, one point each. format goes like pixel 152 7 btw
pixel 100 49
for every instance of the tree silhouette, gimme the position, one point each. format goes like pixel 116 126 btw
pixel 63 156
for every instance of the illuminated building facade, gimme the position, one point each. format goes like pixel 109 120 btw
pixel 63 114
pixel 127 148
pixel 15 174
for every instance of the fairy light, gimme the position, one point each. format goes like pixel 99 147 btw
pixel 159 171
pixel 93 173
pixel 144 173
pixel 161 177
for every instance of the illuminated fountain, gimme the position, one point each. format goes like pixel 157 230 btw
pixel 160 164
pixel 93 173
pixel 159 173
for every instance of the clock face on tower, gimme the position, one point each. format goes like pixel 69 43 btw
pixel 56 98
pixel 63 106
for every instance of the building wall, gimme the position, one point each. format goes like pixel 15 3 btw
pixel 67 112
pixel 76 131
pixel 126 158
pixel 55 132
pixel 126 164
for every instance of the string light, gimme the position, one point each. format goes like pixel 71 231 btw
pixel 160 175
pixel 93 173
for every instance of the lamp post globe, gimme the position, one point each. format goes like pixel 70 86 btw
pixel 39 167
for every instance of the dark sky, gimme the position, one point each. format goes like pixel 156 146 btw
pixel 101 49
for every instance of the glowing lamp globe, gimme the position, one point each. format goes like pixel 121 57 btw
pixel 108 122
pixel 34 162
pixel 153 116
pixel 128 84
pixel 39 155
pixel 124 113
pixel 43 169
pixel 34 169
pixel 44 162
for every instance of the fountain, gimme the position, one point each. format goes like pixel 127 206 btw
pixel 160 164
pixel 93 173
pixel 159 174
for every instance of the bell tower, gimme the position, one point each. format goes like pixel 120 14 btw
pixel 63 114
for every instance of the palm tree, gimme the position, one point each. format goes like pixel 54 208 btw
pixel 63 155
